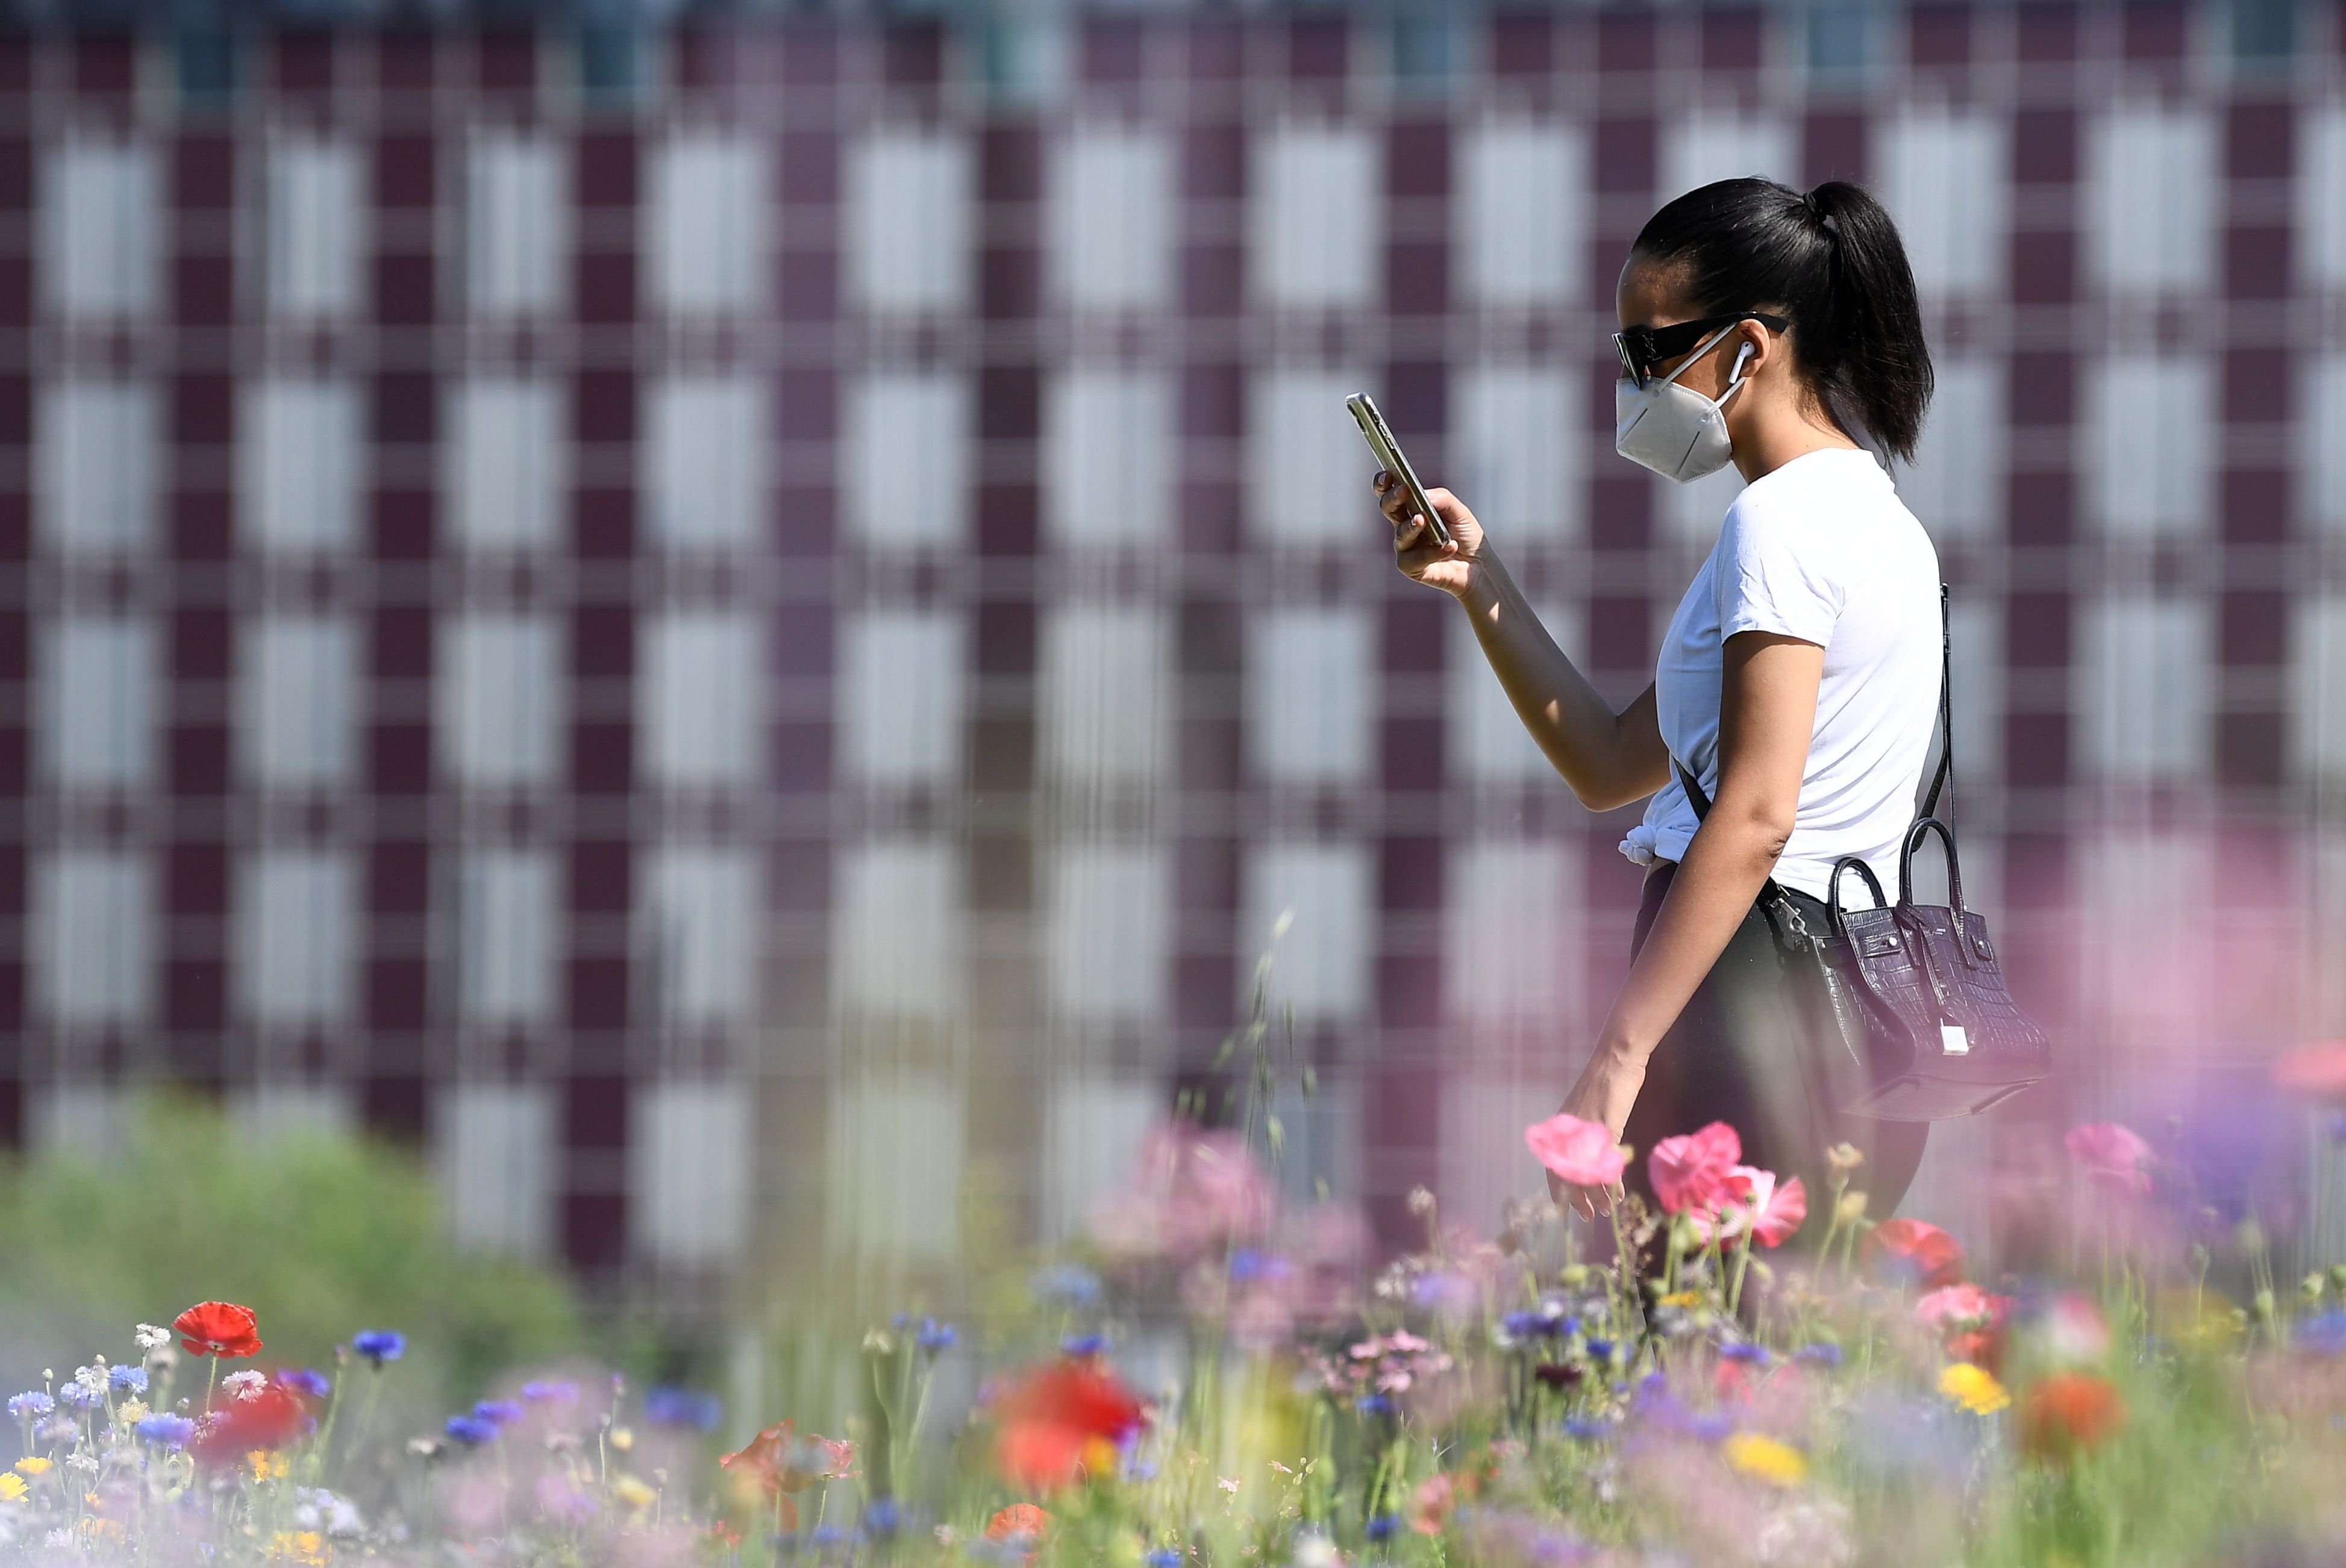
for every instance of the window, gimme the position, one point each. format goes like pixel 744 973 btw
pixel 272 1112
pixel 1323 962
pixel 1486 742
pixel 702 699
pixel 2150 424
pixel 2318 679
pixel 2143 694
pixel 1513 937
pixel 897 1146
pixel 703 936
pixel 1978 634
pixel 507 486
pixel 1093 1129
pixel 1110 932
pixel 908 222
pixel 1107 459
pixel 1944 179
pixel 1517 442
pixel 1107 694
pixel 501 713
pixel 1308 471
pixel 299 699
pixel 901 699
pixel 99 207
pixel 99 712
pixel 96 451
pixel 1704 148
pixel 1521 223
pixel 1310 696
pixel 690 1171
pixel 2151 201
pixel 706 456
pixel 898 952
pixel 1314 218
pixel 2323 471
pixel 1484 1162
pixel 315 212
pixel 293 938
pixel 505 930
pixel 93 938
pixel 1955 484
pixel 298 470
pixel 498 1157
pixel 516 220
pixel 91 1120
pixel 1113 212
pixel 2147 976
pixel 706 249
pixel 908 460
pixel 2322 196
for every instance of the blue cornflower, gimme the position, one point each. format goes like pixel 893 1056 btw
pixel 170 1432
pixel 470 1430
pixel 901 1322
pixel 1065 1285
pixel 1600 1349
pixel 31 1405
pixel 1382 1526
pixel 564 1392
pixel 1585 1430
pixel 1246 1263
pixel 81 1397
pixel 826 1535
pixel 2324 1336
pixel 380 1345
pixel 127 1377
pixel 1744 1350
pixel 935 1337
pixel 500 1413
pixel 1163 1557
pixel 1375 1404
pixel 1821 1353
pixel 669 1406
pixel 302 1380
pixel 1083 1347
pixel 882 1518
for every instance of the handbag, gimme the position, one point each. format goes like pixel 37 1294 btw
pixel 1905 1004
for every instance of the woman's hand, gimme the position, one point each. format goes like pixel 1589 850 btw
pixel 1609 1087
pixel 1450 567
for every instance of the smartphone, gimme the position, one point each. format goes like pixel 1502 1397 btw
pixel 1381 442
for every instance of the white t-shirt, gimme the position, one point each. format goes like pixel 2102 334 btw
pixel 1821 550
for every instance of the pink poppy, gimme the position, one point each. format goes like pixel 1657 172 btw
pixel 1690 1171
pixel 2110 1153
pixel 1752 1198
pixel 1582 1153
pixel 2317 1071
pixel 1913 1251
pixel 1959 1307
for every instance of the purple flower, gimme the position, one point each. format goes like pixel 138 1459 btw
pixel 470 1430
pixel 1069 1285
pixel 1744 1350
pixel 31 1405
pixel 882 1518
pixel 935 1337
pixel 1163 1557
pixel 1600 1349
pixel 302 1380
pixel 2323 1335
pixel 380 1345
pixel 127 1377
pixel 673 1407
pixel 499 1413
pixel 80 1397
pixel 1822 1353
pixel 564 1392
pixel 1083 1347
pixel 1375 1404
pixel 169 1431
pixel 1585 1429
pixel 1382 1526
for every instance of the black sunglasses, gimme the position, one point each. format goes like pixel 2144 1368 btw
pixel 1643 348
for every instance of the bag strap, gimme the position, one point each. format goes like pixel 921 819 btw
pixel 1946 773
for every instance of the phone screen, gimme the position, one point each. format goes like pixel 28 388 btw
pixel 1364 409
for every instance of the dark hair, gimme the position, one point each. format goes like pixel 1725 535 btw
pixel 1832 261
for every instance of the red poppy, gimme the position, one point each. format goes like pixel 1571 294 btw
pixel 2071 1412
pixel 272 1417
pixel 1018 1518
pixel 1690 1171
pixel 217 1329
pixel 764 1470
pixel 1914 1251
pixel 1061 1421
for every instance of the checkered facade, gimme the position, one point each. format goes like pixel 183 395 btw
pixel 731 629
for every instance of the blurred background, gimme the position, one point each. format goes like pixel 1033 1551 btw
pixel 735 621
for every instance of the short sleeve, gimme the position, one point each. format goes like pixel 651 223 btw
pixel 1775 574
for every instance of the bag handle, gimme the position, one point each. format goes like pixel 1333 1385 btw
pixel 1832 899
pixel 1922 829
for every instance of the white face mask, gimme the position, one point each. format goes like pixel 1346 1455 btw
pixel 1673 430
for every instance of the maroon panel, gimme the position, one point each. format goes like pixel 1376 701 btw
pixel 402 524
pixel 203 525
pixel 405 407
pixel 1409 753
pixel 2046 34
pixel 198 759
pixel 202 639
pixel 1217 50
pixel 1009 518
pixel 15 293
pixel 403 290
pixel 303 63
pixel 2257 386
pixel 595 1113
pixel 1411 632
pixel 2044 146
pixel 1521 45
pixel 1002 637
pixel 404 61
pixel 398 993
pixel 2043 268
pixel 2253 627
pixel 1112 48
pixel 596 993
pixel 105 67
pixel 1939 35
pixel 809 167
pixel 798 875
pixel 194 995
pixel 603 756
pixel 606 293
pixel 1318 49
pixel 2041 508
pixel 1009 282
pixel 399 758
pixel 16 647
pixel 605 522
pixel 1620 507
pixel 400 643
pixel 1416 404
pixel 1833 146
pixel 2042 389
pixel 1210 754
pixel 806 404
pixel 15 527
pixel 399 877
pixel 605 168
pixel 1010 162
pixel 203 291
pixel 2036 750
pixel 195 880
pixel 392 1105
pixel 2037 631
pixel 912 53
pixel 1213 162
pixel 1009 402
pixel 1417 159
pixel 2260 140
pixel 2256 262
pixel 1733 40
pixel 2155 30
pixel 2252 749
pixel 12 890
pixel 1620 631
pixel 2256 506
pixel 1625 41
pixel 593 1230
pixel 802 756
pixel 1213 403
pixel 1626 154
pixel 203 410
pixel 203 172
pixel 15 758
pixel 405 171
pixel 603 407
pixel 15 409
pixel 603 641
pixel 15 64
pixel 807 286
pixel 601 880
pixel 505 64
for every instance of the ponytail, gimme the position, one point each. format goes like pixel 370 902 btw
pixel 1832 262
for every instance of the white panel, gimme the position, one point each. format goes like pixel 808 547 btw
pixel 1945 178
pixel 508 483
pixel 701 704
pixel 908 221
pixel 500 699
pixel 901 697
pixel 294 926
pixel 1704 149
pixel 1321 1133
pixel 1107 458
pixel 908 460
pixel 1521 230
pixel 2322 466
pixel 93 937
pixel 272 1112
pixel 2151 201
pixel 2147 977
pixel 1978 639
pixel 896 1149
pixel 701 919
pixel 1485 741
pixel 1484 1160
pixel 1693 514
pixel 689 1170
pixel 2143 691
pixel 2150 423
pixel 1111 934
pixel 1514 946
pixel 298 465
pixel 97 446
pixel 2318 687
pixel 898 948
pixel 100 207
pixel 517 224
pixel 316 214
pixel 1322 968
pixel 1093 1126
pixel 2321 196
pixel 88 1121
pixel 99 702
pixel 706 453
pixel 498 1154
pixel 1517 442
pixel 1107 695
pixel 1314 220
pixel 299 701
pixel 508 918
pixel 1308 471
pixel 1112 218
pixel 707 247
pixel 1311 695
pixel 1955 484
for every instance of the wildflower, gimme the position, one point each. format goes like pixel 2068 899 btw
pixel 1766 1458
pixel 1020 1520
pixel 33 1465
pixel 92 1377
pixel 1744 1350
pixel 1421 1200
pixel 130 1412
pixel 1844 1158
pixel 128 1377
pixel 1973 1387
pixel 552 1393
pixel 470 1430
pixel 1914 1251
pixel 1690 1171
pixel 167 1431
pixel 935 1337
pixel 267 1466
pixel 1065 1285
pixel 1751 1199
pixel 1062 1420
pixel 1951 1308
pixel 304 1381
pixel 1540 1324
pixel 269 1418
pixel 1083 1347
pixel 2069 1413
pixel 380 1345
pixel 31 1405
pixel 2322 1336
pixel 1583 1153
pixel 1432 1504
pixel 13 1488
pixel 1586 1431
pixel 81 1397
pixel 636 1493
pixel 1375 1404
pixel 243 1385
pixel 1163 1557
pixel 882 1518
pixel 1195 1193
pixel 150 1339
pixel 498 1413
pixel 2113 1155
pixel 217 1329
pixel 1819 1353
pixel 1380 1527
pixel 673 1407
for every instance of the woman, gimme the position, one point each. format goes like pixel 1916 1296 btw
pixel 1799 679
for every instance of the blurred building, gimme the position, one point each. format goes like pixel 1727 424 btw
pixel 742 624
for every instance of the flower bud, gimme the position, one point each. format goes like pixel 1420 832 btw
pixel 1851 1209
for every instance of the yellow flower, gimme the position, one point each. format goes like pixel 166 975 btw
pixel 266 1466
pixel 130 1412
pixel 307 1547
pixel 622 1438
pixel 11 1487
pixel 33 1464
pixel 1973 1387
pixel 1778 1463
pixel 635 1493
pixel 1679 1298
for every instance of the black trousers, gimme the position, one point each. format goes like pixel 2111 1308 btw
pixel 1736 1055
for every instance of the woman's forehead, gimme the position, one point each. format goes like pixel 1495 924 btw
pixel 1651 293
